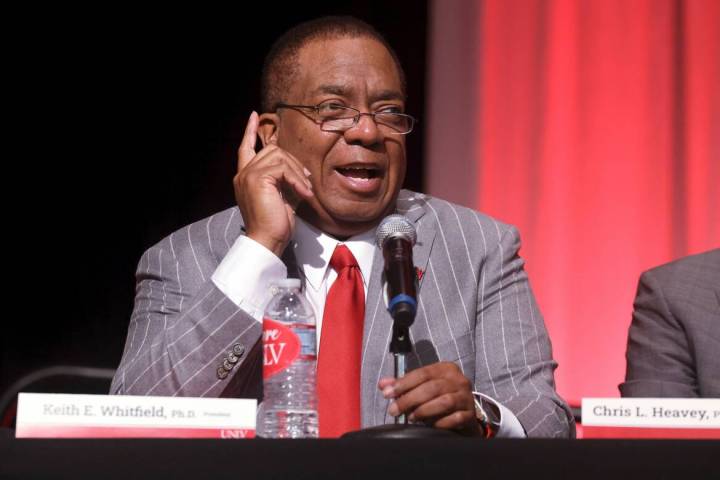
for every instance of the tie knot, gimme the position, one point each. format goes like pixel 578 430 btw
pixel 342 257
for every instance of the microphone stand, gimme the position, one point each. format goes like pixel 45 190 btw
pixel 400 346
pixel 396 237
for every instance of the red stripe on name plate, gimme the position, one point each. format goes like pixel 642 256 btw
pixel 639 432
pixel 60 431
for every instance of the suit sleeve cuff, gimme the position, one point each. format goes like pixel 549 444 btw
pixel 509 425
pixel 246 274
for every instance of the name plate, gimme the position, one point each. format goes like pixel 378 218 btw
pixel 651 417
pixel 55 415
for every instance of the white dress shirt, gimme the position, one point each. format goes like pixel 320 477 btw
pixel 313 250
pixel 248 270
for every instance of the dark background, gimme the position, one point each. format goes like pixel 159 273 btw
pixel 125 122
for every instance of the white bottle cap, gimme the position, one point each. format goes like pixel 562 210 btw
pixel 288 283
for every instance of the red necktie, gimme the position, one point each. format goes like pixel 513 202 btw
pixel 338 375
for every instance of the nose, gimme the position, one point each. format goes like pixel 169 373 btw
pixel 365 132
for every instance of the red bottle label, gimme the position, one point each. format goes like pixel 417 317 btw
pixel 281 346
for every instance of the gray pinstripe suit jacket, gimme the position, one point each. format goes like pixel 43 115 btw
pixel 475 308
pixel 674 337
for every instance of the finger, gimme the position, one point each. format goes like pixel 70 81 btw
pixel 386 385
pixel 294 176
pixel 417 377
pixel 262 156
pixel 386 382
pixel 459 420
pixel 439 407
pixel 299 164
pixel 246 151
pixel 282 175
pixel 273 155
pixel 419 395
pixel 445 370
pixel 299 168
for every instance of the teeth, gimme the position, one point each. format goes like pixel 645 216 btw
pixel 360 173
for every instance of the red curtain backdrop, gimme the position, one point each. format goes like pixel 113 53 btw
pixel 597 132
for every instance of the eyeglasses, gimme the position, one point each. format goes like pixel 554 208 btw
pixel 334 117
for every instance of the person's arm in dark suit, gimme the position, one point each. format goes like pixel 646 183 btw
pixel 659 359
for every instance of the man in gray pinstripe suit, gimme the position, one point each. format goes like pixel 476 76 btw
pixel 479 338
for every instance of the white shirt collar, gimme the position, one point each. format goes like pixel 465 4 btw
pixel 313 250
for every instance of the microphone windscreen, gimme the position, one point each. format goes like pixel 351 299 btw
pixel 393 226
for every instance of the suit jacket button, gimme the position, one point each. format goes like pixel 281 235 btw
pixel 232 358
pixel 222 373
pixel 227 365
pixel 238 350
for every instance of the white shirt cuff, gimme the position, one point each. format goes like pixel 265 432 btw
pixel 510 426
pixel 246 274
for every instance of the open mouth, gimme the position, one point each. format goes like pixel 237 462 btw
pixel 359 173
pixel 361 179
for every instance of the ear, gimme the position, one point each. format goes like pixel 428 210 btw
pixel 268 128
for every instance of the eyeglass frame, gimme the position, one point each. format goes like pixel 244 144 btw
pixel 356 117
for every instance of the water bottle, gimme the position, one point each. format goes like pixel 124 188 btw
pixel 289 407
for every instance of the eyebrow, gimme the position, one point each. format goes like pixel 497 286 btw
pixel 332 90
pixel 343 91
pixel 387 95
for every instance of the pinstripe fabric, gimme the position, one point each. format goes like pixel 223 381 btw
pixel 674 336
pixel 475 309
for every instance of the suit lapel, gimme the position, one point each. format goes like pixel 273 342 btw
pixel 376 361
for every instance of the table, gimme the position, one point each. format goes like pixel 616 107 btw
pixel 359 458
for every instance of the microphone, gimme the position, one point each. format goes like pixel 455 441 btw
pixel 396 236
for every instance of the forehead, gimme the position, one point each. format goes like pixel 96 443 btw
pixel 351 67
